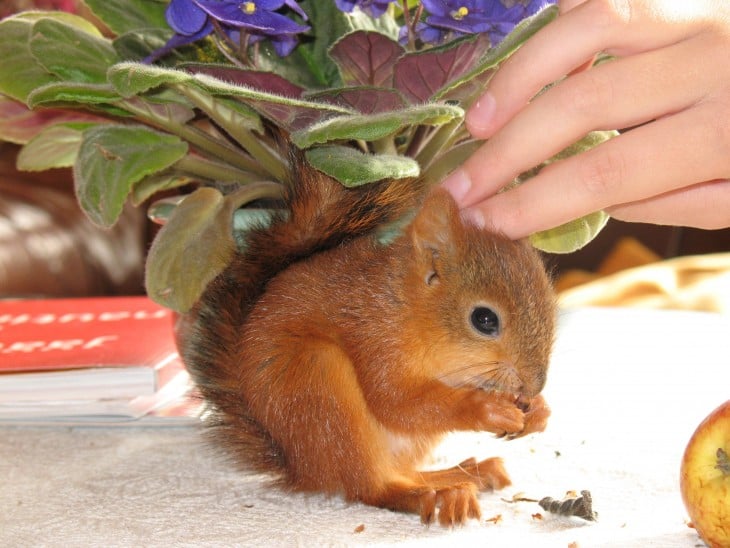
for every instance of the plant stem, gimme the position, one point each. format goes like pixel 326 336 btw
pixel 256 191
pixel 386 145
pixel 234 124
pixel 445 163
pixel 418 136
pixel 198 138
pixel 439 140
pixel 210 170
pixel 408 25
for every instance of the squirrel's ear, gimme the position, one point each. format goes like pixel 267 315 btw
pixel 435 226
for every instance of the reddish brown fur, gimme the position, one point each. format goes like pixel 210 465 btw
pixel 339 362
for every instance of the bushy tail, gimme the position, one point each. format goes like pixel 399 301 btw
pixel 321 214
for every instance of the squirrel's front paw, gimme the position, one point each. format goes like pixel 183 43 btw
pixel 536 416
pixel 495 412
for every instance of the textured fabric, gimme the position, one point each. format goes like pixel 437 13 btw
pixel 627 389
pixel 695 282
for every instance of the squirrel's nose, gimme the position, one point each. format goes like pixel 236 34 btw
pixel 534 385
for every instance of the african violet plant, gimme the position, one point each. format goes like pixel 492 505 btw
pixel 190 100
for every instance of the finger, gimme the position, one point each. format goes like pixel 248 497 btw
pixel 592 100
pixel 567 5
pixel 650 160
pixel 704 205
pixel 616 27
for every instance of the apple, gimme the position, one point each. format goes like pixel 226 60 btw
pixel 705 478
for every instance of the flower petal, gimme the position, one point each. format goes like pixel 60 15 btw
pixel 184 17
pixel 261 20
pixel 296 8
pixel 284 44
pixel 345 5
pixel 179 40
pixel 469 25
pixel 438 7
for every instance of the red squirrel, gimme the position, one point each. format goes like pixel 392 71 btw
pixel 337 361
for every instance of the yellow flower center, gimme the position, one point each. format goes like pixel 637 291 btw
pixel 248 7
pixel 459 14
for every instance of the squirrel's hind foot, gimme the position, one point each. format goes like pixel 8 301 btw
pixel 456 504
pixel 447 495
pixel 486 474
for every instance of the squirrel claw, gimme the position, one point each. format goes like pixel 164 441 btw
pixel 456 504
pixel 536 416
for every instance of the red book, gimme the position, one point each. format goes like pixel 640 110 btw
pixel 85 349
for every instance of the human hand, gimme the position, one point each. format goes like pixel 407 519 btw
pixel 670 81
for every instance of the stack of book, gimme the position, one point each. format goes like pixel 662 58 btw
pixel 91 360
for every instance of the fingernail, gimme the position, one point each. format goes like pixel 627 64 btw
pixel 479 117
pixel 474 216
pixel 458 184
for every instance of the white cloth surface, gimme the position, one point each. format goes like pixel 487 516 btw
pixel 627 388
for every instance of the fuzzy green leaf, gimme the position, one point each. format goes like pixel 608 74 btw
pixel 19 125
pixel 570 236
pixel 20 72
pixel 127 15
pixel 353 168
pixel 112 159
pixel 290 113
pixel 157 182
pixel 81 23
pixel 130 79
pixel 261 80
pixel 231 115
pixel 445 163
pixel 54 147
pixel 375 126
pixel 189 251
pixel 192 248
pixel 135 45
pixel 70 53
pixel 62 93
pixel 575 234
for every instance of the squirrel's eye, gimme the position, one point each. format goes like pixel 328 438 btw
pixel 485 320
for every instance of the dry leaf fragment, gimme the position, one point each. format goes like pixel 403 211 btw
pixel 580 507
pixel 519 497
pixel 495 519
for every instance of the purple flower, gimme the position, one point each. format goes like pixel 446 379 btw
pixel 193 19
pixel 256 16
pixel 185 18
pixel 259 19
pixel 454 18
pixel 525 8
pixel 190 24
pixel 375 8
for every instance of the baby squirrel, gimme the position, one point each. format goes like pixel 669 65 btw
pixel 338 362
